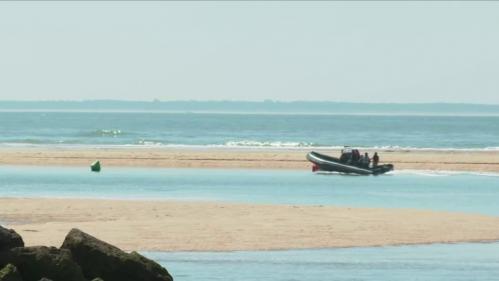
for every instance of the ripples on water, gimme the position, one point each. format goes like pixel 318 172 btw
pixel 439 262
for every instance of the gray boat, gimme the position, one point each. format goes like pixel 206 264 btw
pixel 327 163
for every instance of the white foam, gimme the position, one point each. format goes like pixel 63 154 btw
pixel 432 173
pixel 409 148
pixel 243 144
pixel 252 143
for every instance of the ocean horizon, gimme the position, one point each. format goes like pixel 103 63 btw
pixel 241 140
pixel 254 107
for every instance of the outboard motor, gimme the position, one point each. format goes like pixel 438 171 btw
pixel 315 168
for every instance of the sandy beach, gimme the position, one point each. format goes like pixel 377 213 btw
pixel 209 226
pixel 214 226
pixel 480 161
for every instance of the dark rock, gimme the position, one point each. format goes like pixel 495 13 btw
pixel 9 239
pixel 37 262
pixel 10 273
pixel 100 259
pixel 97 279
pixel 44 279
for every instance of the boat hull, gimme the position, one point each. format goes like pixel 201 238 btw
pixel 332 164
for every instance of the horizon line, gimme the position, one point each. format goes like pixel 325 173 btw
pixel 247 101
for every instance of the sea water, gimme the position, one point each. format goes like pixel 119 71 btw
pixel 437 262
pixel 248 130
pixel 462 192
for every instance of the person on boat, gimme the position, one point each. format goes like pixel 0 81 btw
pixel 362 161
pixel 365 160
pixel 375 159
pixel 355 156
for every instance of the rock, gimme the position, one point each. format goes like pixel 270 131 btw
pixel 100 259
pixel 9 239
pixel 97 279
pixel 44 279
pixel 10 273
pixel 38 262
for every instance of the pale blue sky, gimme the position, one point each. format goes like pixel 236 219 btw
pixel 338 51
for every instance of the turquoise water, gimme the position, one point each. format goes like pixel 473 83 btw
pixel 452 192
pixel 472 193
pixel 439 262
pixel 461 192
pixel 248 130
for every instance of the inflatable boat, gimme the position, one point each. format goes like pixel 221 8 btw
pixel 327 163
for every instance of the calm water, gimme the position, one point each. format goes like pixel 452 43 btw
pixel 248 130
pixel 473 193
pixel 453 192
pixel 437 262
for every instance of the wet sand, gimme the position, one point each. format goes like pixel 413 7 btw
pixel 213 226
pixel 480 161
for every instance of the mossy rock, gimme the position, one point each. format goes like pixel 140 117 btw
pixel 35 263
pixel 10 273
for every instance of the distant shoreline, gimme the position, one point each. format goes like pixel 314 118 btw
pixel 269 113
pixel 257 158
pixel 255 107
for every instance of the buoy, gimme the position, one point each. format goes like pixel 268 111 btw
pixel 95 167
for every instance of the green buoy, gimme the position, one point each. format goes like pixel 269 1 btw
pixel 95 167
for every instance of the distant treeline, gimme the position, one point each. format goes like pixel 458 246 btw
pixel 319 107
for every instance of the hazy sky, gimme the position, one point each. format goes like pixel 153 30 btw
pixel 338 51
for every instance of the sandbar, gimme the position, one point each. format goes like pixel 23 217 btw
pixel 453 160
pixel 218 226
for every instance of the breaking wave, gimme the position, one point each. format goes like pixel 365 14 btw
pixel 112 132
pixel 441 173
pixel 284 144
pixel 103 133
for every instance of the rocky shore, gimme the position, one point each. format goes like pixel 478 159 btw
pixel 81 257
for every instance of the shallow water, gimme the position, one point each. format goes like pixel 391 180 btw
pixel 439 262
pixel 466 192
pixel 473 193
